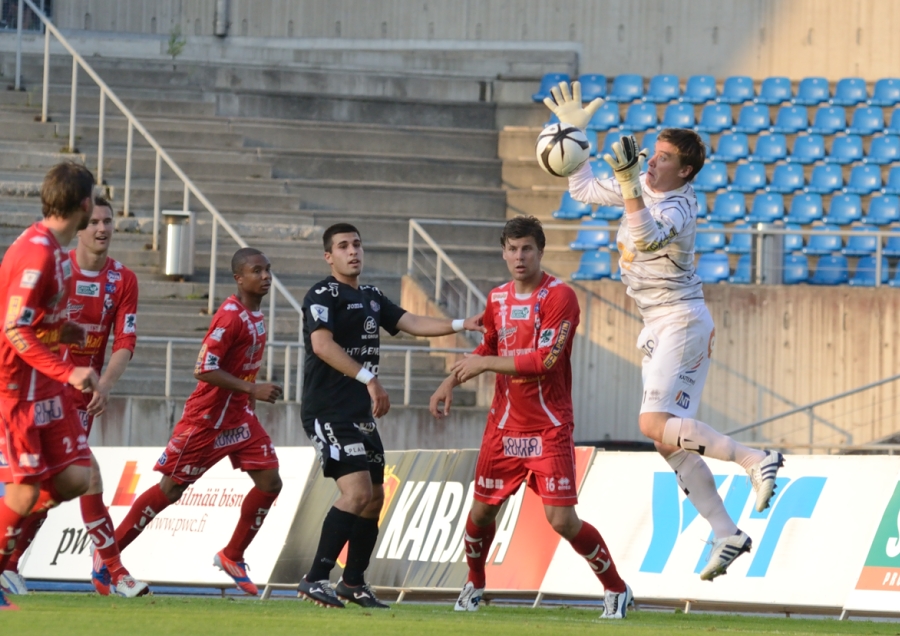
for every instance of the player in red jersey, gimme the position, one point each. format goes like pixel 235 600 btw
pixel 44 454
pixel 218 420
pixel 529 326
pixel 102 297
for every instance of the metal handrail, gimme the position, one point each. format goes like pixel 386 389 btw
pixel 161 155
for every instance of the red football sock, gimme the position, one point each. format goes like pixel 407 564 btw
pixel 589 544
pixel 254 509
pixel 27 533
pixel 100 527
pixel 10 529
pixel 152 502
pixel 478 541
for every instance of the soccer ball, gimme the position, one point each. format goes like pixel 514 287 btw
pixel 561 149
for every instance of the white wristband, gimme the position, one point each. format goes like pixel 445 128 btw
pixel 365 376
pixel 458 324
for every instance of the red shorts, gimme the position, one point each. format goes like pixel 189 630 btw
pixel 39 439
pixel 80 400
pixel 193 449
pixel 545 458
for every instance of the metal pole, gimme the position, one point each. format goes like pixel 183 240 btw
pixel 299 373
pixel 72 104
pixel 409 250
pixel 19 44
pixel 809 411
pixel 270 361
pixel 156 203
pixel 437 281
pixel 287 373
pixel 407 376
pixel 101 134
pixel 46 88
pixel 272 314
pixel 878 262
pixel 214 244
pixel 128 152
pixel 169 368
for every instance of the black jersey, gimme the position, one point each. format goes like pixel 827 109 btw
pixel 353 316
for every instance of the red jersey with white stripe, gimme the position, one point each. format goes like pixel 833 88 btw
pixel 234 343
pixel 102 302
pixel 33 280
pixel 537 329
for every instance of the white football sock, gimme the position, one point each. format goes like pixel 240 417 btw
pixel 696 437
pixel 698 483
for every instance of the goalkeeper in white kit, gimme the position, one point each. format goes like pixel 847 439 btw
pixel 656 246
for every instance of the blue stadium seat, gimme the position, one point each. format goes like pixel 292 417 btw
pixel 845 149
pixel 713 176
pixel 770 148
pixel 606 117
pixel 608 140
pixel 821 244
pixel 830 270
pixel 715 118
pixel 748 177
pixel 766 208
pixel 728 207
pixel 808 149
pixel 866 120
pixel 608 213
pixel 774 91
pixel 791 120
pixel 850 91
pixel 626 88
pixel 886 93
pixel 864 179
pixel 825 179
pixel 892 186
pixel 844 209
pixel 861 245
pixel 591 235
pixel 570 209
pixel 742 272
pixel 753 119
pixel 709 241
pixel 713 267
pixel 640 117
pixel 592 141
pixel 649 141
pixel 883 210
pixel 662 89
pixel 893 127
pixel 731 147
pixel 740 242
pixel 736 90
pixel 792 242
pixel 678 116
pixel 811 91
pixel 805 209
pixel 699 89
pixel 786 178
pixel 829 120
pixel 702 205
pixel 550 80
pixel 593 86
pixel 593 266
pixel 892 246
pixel 601 169
pixel 865 275
pixel 884 149
pixel 796 269
pixel 552 120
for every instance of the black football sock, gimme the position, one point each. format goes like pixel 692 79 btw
pixel 362 543
pixel 336 530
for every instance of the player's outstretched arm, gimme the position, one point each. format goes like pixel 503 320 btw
pixel 262 391
pixel 426 326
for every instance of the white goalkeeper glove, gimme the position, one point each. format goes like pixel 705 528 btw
pixel 626 165
pixel 567 107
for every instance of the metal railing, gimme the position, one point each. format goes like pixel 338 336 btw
pixel 190 189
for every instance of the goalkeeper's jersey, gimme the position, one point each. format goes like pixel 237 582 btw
pixel 662 274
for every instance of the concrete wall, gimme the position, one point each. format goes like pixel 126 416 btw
pixel 834 38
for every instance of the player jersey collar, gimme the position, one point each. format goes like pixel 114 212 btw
pixel 75 268
pixel 545 278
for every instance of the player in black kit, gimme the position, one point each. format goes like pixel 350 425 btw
pixel 341 399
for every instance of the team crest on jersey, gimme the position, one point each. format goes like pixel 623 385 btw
pixel 546 338
pixel 370 325
pixel 86 288
pixel 260 328
pixel 519 312
pixel 26 318
pixel 217 334
pixel 319 313
pixel 683 400
pixel 374 305
pixel 30 278
pixel 112 276
pixel 331 287
pixel 543 293
pixel 130 322
pixel 110 288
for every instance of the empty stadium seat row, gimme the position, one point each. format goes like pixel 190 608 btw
pixel 790 177
pixel 807 149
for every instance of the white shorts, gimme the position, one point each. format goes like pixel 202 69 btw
pixel 677 350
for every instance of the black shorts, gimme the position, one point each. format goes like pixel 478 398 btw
pixel 347 447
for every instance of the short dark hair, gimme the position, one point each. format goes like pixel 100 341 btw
pixel 240 258
pixel 65 186
pixel 522 226
pixel 102 202
pixel 337 228
pixel 690 147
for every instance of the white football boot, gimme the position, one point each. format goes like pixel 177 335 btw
pixel 616 604
pixel 469 599
pixel 723 554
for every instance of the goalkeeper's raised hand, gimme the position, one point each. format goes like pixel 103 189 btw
pixel 626 165
pixel 568 108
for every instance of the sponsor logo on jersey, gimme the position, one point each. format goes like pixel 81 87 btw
pixel 507 332
pixel 3 462
pixel 130 322
pixel 112 276
pixel 85 419
pixel 331 287
pixel 67 269
pixel 163 459
pixel 319 313
pixel 498 297
pixel 232 436
pixel 687 379
pixel 46 411
pixel 561 339
pixel 374 305
pixel 40 240
pixel 260 328
pixel 353 450
pixel 217 333
pixel 365 427
pixel 546 338
pixel 107 303
pixel 519 312
pixel 523 446
pixel 29 460
pixel 543 293
pixel 370 325
pixel 355 306
pixel 564 483
pixel 86 288
pixel 682 399
pixel 26 317
pixel 30 278
pixel 489 483
pixel 230 307
pixel 252 349
pixel 211 361
pixel 117 264
pixel 554 282
pixel 110 288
